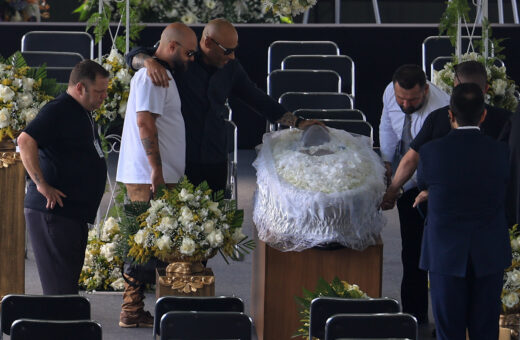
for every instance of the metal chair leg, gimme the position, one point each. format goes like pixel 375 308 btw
pixel 337 11
pixel 376 11
pixel 515 11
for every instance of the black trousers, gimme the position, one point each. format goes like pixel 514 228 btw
pixel 59 249
pixel 214 174
pixel 414 286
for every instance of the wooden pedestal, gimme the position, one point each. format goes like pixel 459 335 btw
pixel 12 229
pixel 163 289
pixel 280 276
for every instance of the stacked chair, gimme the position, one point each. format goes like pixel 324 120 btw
pixel 48 317
pixel 59 50
pixel 314 80
pixel 222 317
pixel 335 318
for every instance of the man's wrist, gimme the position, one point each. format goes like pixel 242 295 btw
pixel 298 121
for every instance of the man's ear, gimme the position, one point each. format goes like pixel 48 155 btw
pixel 205 41
pixel 453 121
pixel 483 117
pixel 426 88
pixel 80 88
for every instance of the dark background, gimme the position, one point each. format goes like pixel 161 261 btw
pixel 377 51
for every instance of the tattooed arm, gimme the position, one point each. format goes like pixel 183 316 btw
pixel 155 71
pixel 150 139
pixel 29 155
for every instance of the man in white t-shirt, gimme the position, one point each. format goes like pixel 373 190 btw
pixel 153 145
pixel 407 101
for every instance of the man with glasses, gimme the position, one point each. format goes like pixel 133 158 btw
pixel 204 88
pixel 153 148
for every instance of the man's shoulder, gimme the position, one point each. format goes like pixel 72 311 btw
pixel 498 112
pixel 441 112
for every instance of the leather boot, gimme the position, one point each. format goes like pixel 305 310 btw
pixel 132 311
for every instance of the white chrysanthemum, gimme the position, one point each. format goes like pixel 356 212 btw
pixel 215 238
pixel 187 246
pixel 108 251
pixel 25 100
pixel 238 235
pixel 515 244
pixel 211 4
pixel 28 84
pixel 110 227
pixel 185 196
pixel 6 94
pixel 124 76
pixel 4 118
pixel 186 216
pixel 189 18
pixel 510 299
pixel 164 243
pixel 140 237
pixel 18 82
pixel 167 225
pixel 499 87
pixel 29 114
pixel 118 284
pixel 89 259
pixel 208 226
pixel 115 56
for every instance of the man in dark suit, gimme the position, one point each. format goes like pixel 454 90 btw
pixel 465 245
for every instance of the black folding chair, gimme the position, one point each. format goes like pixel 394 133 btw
pixel 186 303
pixel 52 59
pixel 436 46
pixel 30 329
pixel 359 127
pixel 205 325
pixel 350 114
pixel 43 307
pixel 293 101
pixel 59 41
pixel 371 326
pixel 281 81
pixel 323 308
pixel 342 64
pixel 280 49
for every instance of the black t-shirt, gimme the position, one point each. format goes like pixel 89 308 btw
pixel 68 159
pixel 437 125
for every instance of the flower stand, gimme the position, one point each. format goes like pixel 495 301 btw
pixel 185 279
pixel 12 222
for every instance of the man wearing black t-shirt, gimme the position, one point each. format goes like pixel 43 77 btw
pixel 61 152
pixel 437 125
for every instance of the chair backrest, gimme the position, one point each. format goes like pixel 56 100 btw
pixel 43 307
pixel 349 114
pixel 30 329
pixel 206 325
pixel 359 127
pixel 322 308
pixel 366 326
pixel 293 101
pixel 342 64
pixel 56 59
pixel 435 46
pixel 59 41
pixel 194 303
pixel 281 81
pixel 280 49
pixel 232 141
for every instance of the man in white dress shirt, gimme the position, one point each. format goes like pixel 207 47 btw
pixel 153 148
pixel 407 101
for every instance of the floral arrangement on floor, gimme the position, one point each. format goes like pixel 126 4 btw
pixel 186 223
pixel 501 91
pixel 23 92
pixel 114 106
pixel 336 288
pixel 102 267
pixel 288 8
pixel 511 289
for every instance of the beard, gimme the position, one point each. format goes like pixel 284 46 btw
pixel 179 66
pixel 411 109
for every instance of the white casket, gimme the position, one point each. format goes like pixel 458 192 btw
pixel 313 193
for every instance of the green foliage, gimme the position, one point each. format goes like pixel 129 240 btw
pixel 450 17
pixel 129 225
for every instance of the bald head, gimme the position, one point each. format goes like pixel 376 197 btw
pixel 177 32
pixel 177 45
pixel 218 42
pixel 220 29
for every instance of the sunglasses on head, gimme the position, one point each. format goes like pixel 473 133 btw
pixel 227 51
pixel 189 53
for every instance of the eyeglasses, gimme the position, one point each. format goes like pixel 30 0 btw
pixel 227 51
pixel 189 53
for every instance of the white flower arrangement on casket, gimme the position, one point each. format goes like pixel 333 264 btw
pixel 308 196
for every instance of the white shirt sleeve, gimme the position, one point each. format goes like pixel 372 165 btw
pixel 150 97
pixel 387 137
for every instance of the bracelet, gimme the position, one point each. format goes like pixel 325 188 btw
pixel 298 121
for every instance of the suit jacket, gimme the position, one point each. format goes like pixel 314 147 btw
pixel 466 174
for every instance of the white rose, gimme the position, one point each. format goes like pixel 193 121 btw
pixel 186 215
pixel 28 84
pixel 499 86
pixel 4 118
pixel 115 56
pixel 185 196
pixel 514 277
pixel 122 108
pixel 124 76
pixel 89 259
pixel 29 114
pixel 6 94
pixel 208 226
pixel 18 82
pixel 515 244
pixel 25 100
pixel 140 236
pixel 238 235
pixel 118 284
pixel 215 238
pixel 172 14
pixel 213 206
pixel 164 243
pixel 110 227
pixel 187 246
pixel 510 299
pixel 107 250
